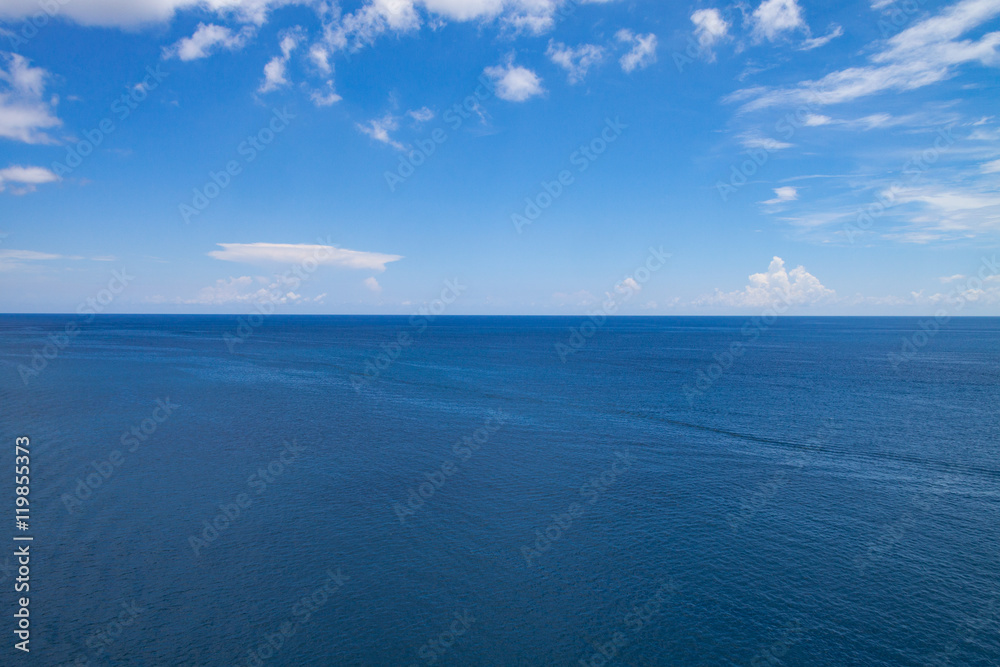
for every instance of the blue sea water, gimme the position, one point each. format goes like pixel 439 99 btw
pixel 503 491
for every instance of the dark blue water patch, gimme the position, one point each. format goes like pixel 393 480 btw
pixel 813 502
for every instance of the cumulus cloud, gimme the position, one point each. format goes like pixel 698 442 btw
pixel 274 70
pixel 372 284
pixel 642 50
pixel 710 28
pixel 24 179
pixel 923 54
pixel 320 57
pixel 628 285
pixel 775 17
pixel 576 61
pixel 379 129
pixel 376 17
pixel 773 287
pixel 302 254
pixel 206 39
pixel 514 83
pixel 783 194
pixel 325 96
pixel 24 111
pixel 279 290
pixel 421 115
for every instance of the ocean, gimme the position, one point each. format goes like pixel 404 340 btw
pixel 506 490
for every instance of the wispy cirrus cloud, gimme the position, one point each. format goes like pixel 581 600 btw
pixel 923 54
pixel 379 129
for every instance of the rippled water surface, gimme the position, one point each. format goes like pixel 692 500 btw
pixel 498 491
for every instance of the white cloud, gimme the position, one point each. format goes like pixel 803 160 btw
pixel 754 140
pixel 990 167
pixel 815 120
pixel 514 83
pixel 923 54
pixel 15 260
pixel 31 255
pixel 628 285
pixel 642 53
pixel 372 284
pixel 783 194
pixel 816 42
pixel 950 210
pixel 274 70
pixel 135 13
pixel 26 178
pixel 774 17
pixel 325 96
pixel 951 279
pixel 320 57
pixel 774 287
pixel 24 111
pixel 379 129
pixel 278 290
pixel 710 28
pixel 577 62
pixel 290 253
pixel 421 115
pixel 206 39
pixel 361 27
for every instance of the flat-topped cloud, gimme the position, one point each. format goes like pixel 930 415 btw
pixel 301 253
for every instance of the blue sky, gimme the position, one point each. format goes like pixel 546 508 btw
pixel 812 158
